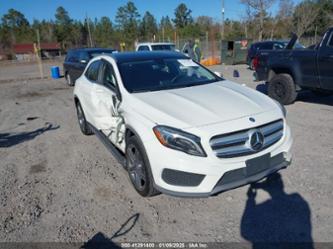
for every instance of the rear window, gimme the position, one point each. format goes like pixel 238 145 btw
pixel 266 46
pixel 279 45
pixel 72 56
pixel 143 48
pixel 163 47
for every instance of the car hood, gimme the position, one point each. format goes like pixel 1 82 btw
pixel 201 105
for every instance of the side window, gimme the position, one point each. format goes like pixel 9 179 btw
pixel 93 70
pixel 109 77
pixel 143 48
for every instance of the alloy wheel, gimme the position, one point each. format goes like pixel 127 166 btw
pixel 136 167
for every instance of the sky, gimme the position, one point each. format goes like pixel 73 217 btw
pixel 77 9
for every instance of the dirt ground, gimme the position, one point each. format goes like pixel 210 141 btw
pixel 58 185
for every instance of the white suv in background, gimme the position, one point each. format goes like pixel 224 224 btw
pixel 156 46
pixel 177 127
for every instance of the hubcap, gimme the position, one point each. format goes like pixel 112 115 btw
pixel 280 90
pixel 136 168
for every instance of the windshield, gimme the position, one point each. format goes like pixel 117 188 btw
pixel 163 47
pixel 162 74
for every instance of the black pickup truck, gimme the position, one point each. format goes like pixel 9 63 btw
pixel 289 71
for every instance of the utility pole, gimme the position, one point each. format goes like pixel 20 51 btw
pixel 37 48
pixel 89 32
pixel 222 27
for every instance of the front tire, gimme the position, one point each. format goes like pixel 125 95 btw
pixel 282 88
pixel 138 168
pixel 84 126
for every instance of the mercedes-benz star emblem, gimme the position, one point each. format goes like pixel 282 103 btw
pixel 256 140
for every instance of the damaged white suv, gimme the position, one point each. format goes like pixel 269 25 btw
pixel 178 128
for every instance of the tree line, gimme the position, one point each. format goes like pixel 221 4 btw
pixel 307 18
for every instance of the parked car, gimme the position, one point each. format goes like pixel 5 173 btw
pixel 289 71
pixel 156 46
pixel 177 127
pixel 265 45
pixel 77 59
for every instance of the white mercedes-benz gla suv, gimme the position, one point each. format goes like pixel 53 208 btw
pixel 177 127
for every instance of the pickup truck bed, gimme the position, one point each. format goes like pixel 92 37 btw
pixel 290 70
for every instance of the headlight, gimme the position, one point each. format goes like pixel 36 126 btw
pixel 179 140
pixel 283 109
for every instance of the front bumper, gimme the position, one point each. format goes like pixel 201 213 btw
pixel 218 175
pixel 231 180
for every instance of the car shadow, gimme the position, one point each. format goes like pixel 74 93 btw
pixel 101 241
pixel 307 96
pixel 285 218
pixel 303 96
pixel 12 139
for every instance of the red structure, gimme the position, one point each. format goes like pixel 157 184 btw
pixel 27 50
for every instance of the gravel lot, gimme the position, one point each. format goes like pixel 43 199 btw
pixel 58 185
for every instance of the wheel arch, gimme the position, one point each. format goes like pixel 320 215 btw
pixel 283 70
pixel 130 132
pixel 76 99
pixel 279 70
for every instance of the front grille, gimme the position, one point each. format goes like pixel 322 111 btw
pixel 237 144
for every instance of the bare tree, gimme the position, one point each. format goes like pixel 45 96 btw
pixel 286 9
pixel 283 21
pixel 260 7
pixel 304 16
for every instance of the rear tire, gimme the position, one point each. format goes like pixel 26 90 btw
pixel 84 126
pixel 282 88
pixel 69 79
pixel 138 168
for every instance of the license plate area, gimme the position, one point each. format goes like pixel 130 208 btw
pixel 258 164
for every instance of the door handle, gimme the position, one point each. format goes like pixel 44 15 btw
pixel 99 90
